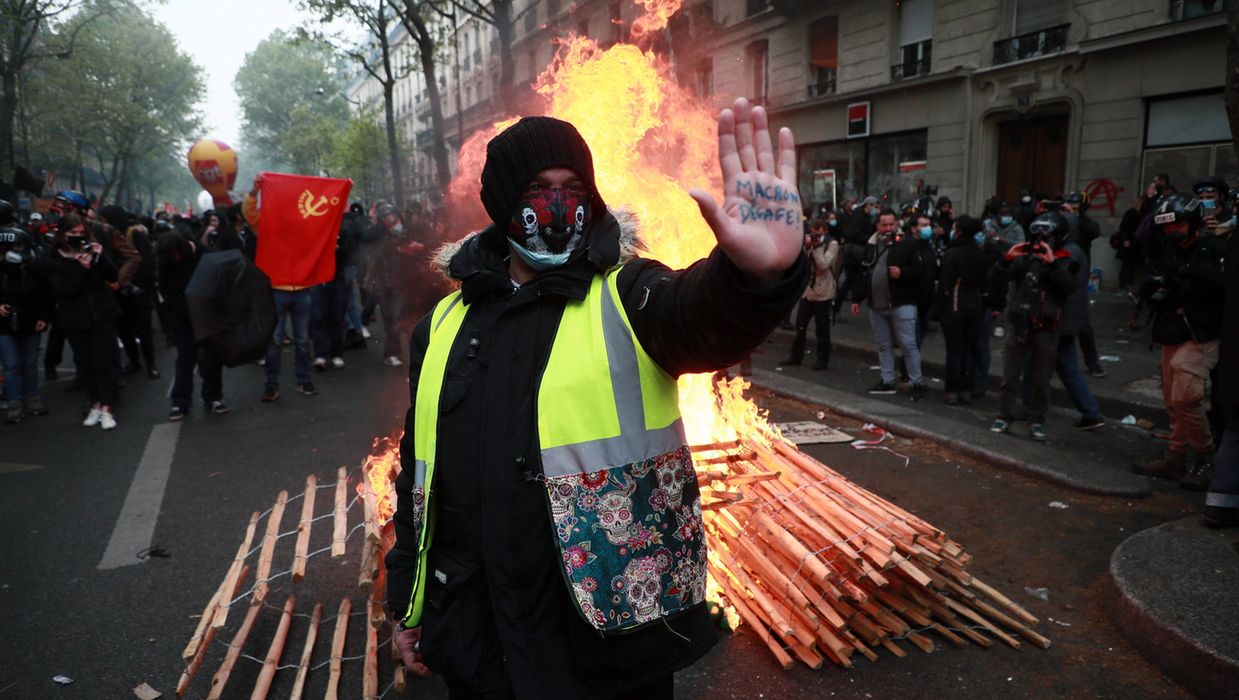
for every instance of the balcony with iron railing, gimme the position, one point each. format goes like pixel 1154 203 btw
pixel 824 81
pixel 1042 42
pixel 909 69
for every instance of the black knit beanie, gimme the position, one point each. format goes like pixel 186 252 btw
pixel 525 149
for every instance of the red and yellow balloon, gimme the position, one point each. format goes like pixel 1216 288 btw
pixel 214 165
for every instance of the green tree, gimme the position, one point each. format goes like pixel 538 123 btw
pixel 125 96
pixel 279 86
pixel 357 153
pixel 375 55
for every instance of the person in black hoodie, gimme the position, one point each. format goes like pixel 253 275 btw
pixel 892 286
pixel 1043 277
pixel 1187 295
pixel 958 306
pixel 20 324
pixel 178 258
pixel 542 580
pixel 73 280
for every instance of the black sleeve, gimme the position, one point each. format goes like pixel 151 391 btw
pixel 705 317
pixel 946 281
pixel 1061 277
pixel 401 561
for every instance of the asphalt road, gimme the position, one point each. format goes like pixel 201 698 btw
pixel 63 491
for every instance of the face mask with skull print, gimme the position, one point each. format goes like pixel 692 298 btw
pixel 548 226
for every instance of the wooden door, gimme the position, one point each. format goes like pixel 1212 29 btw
pixel 1032 155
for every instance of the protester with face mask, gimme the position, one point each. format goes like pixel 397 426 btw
pixel 957 305
pixel 892 286
pixel 20 324
pixel 944 214
pixel 549 378
pixel 1187 296
pixel 1215 211
pixel 1005 227
pixel 931 247
pixel 394 272
pixel 74 281
pixel 818 299
pixel 1042 276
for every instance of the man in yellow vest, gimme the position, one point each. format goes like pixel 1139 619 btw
pixel 548 522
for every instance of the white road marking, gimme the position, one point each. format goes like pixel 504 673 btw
pixel 135 527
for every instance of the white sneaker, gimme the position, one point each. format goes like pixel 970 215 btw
pixel 365 333
pixel 337 362
pixel 93 418
pixel 392 361
pixel 999 332
pixel 107 421
pixel 320 363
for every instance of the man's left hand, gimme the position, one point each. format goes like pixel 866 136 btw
pixel 759 225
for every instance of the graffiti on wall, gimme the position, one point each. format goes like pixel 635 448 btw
pixel 1102 192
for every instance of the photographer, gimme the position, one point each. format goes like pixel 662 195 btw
pixel 74 280
pixel 1215 210
pixel 818 298
pixel 19 324
pixel 1043 279
pixel 1186 295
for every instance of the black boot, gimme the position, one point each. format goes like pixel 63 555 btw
pixel 1200 474
pixel 1172 465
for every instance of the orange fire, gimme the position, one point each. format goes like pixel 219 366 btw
pixel 652 140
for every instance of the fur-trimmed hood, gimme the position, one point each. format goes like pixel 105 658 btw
pixel 609 241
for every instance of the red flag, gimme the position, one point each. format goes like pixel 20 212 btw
pixel 299 220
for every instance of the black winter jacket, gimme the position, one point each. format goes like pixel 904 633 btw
pixel 962 282
pixel 505 607
pixel 73 297
pixel 1195 292
pixel 1040 289
pixel 15 282
pixel 1228 355
pixel 903 254
pixel 1075 307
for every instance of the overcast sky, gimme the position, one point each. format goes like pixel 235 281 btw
pixel 217 35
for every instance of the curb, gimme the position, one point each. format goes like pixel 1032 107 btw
pixel 1122 485
pixel 1173 640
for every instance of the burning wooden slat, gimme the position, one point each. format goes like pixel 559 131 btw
pixel 369 565
pixel 370 506
pixel 201 644
pixel 267 555
pixel 303 668
pixel 263 685
pixel 303 529
pixel 370 671
pixel 337 649
pixel 224 602
pixel 340 521
pixel 220 679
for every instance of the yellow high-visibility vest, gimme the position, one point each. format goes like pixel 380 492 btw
pixel 606 415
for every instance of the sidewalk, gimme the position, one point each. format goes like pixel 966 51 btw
pixel 1171 593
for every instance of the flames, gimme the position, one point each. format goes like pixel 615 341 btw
pixel 652 141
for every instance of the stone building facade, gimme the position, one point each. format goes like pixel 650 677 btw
pixel 963 98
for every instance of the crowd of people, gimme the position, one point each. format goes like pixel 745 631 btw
pixel 1020 272
pixel 103 279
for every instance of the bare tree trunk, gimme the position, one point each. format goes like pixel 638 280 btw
pixel 507 66
pixel 8 108
pixel 413 22
pixel 389 109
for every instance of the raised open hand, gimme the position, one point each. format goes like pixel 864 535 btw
pixel 759 225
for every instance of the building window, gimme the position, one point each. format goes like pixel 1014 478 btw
pixel 1191 9
pixel 823 56
pixel 1186 120
pixel 704 77
pixel 1035 15
pixel 916 31
pixel 756 55
pixel 891 167
pixel 752 7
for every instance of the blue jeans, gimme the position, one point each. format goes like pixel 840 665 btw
pixel 896 325
pixel 353 315
pixel 1224 489
pixel 298 305
pixel 19 353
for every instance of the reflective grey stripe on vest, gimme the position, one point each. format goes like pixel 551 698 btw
pixel 419 473
pixel 446 311
pixel 634 443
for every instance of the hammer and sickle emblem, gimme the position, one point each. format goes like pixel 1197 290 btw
pixel 308 207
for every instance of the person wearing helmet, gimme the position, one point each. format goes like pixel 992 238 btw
pixel 1186 295
pixel 1216 211
pixel 19 323
pixel 1043 276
